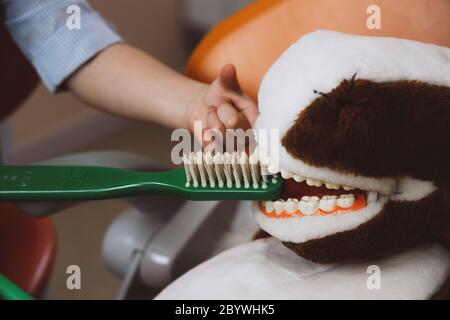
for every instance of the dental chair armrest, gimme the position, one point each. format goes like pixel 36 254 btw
pixel 165 256
pixel 117 159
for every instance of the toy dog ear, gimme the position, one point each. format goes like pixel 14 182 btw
pixel 440 231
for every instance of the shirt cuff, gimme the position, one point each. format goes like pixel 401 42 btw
pixel 68 49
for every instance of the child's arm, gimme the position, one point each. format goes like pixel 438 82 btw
pixel 114 77
pixel 127 82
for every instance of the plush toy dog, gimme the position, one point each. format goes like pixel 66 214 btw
pixel 365 150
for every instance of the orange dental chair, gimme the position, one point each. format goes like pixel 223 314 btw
pixel 254 38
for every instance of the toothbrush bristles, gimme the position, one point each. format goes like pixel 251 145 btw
pixel 224 170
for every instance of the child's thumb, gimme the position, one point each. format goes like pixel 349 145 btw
pixel 228 78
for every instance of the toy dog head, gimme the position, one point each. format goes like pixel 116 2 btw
pixel 364 145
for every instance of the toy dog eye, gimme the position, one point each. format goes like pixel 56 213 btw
pixel 321 94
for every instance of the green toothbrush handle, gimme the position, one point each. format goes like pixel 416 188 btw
pixel 34 183
pixel 10 291
pixel 48 183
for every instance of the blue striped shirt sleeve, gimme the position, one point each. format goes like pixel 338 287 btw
pixel 44 30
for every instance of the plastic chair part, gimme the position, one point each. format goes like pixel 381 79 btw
pixel 27 248
pixel 255 37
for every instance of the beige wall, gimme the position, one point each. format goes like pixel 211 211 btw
pixel 152 25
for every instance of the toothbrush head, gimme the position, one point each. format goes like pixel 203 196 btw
pixel 236 175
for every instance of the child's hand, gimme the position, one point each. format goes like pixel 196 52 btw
pixel 222 105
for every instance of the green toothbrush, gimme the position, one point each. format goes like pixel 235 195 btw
pixel 227 176
pixel 11 291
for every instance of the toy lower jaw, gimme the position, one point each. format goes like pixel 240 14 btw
pixel 305 212
pixel 300 229
pixel 298 199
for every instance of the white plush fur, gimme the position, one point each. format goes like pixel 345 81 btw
pixel 381 185
pixel 412 189
pixel 302 229
pixel 320 61
pixel 265 269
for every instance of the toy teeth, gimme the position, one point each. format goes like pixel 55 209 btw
pixel 205 176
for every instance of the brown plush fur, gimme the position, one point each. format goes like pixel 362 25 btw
pixel 377 129
pixel 260 234
pixel 390 129
pixel 397 227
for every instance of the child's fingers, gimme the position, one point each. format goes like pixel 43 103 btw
pixel 246 106
pixel 228 115
pixel 213 121
pixel 228 78
pixel 213 125
pixel 251 115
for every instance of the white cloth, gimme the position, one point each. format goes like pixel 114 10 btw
pixel 265 269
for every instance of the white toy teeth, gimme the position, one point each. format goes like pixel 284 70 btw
pixel 345 201
pixel 328 203
pixel 279 206
pixel 309 205
pixel 275 169
pixel 268 205
pixel 298 178
pixel 292 205
pixel 372 196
